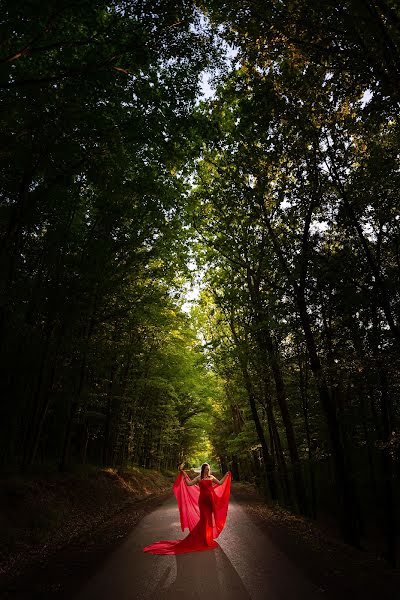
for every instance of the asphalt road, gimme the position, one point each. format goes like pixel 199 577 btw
pixel 246 566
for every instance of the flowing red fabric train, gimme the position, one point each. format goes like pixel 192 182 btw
pixel 203 509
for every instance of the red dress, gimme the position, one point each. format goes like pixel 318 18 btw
pixel 203 509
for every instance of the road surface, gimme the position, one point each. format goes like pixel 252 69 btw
pixel 247 566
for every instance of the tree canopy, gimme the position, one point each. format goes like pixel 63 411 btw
pixel 118 182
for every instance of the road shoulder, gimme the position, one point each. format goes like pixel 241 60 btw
pixel 334 567
pixel 62 574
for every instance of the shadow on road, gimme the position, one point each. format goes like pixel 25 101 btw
pixel 201 575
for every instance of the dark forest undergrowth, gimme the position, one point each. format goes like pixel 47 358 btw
pixel 43 512
pixel 316 547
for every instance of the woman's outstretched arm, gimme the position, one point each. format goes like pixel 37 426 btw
pixel 222 480
pixel 189 481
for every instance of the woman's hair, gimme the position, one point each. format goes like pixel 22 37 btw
pixel 203 468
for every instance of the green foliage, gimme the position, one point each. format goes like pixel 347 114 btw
pixel 296 205
pixel 97 113
pixel 283 189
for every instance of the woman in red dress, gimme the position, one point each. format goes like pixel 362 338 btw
pixel 203 507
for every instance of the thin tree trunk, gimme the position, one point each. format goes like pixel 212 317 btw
pixel 348 503
pixel 304 403
pixel 85 443
pixel 267 349
pixel 259 428
pixel 287 422
pixel 390 517
pixel 347 497
pixel 281 460
pixel 39 409
pixel 368 441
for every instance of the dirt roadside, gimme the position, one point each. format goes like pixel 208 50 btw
pixel 63 573
pixel 55 529
pixel 337 569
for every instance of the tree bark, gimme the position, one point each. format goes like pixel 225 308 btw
pixel 258 425
pixel 347 497
pixel 266 347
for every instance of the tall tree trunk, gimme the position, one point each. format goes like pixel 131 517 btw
pixel 267 350
pixel 281 460
pixel 362 393
pixel 267 458
pixel 348 503
pixel 303 371
pixel 349 509
pixel 85 443
pixel 387 468
pixel 107 422
pixel 386 411
pixel 235 468
pixel 39 408
pixel 65 455
pixel 287 421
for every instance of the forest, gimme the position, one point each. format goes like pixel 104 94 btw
pixel 241 153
